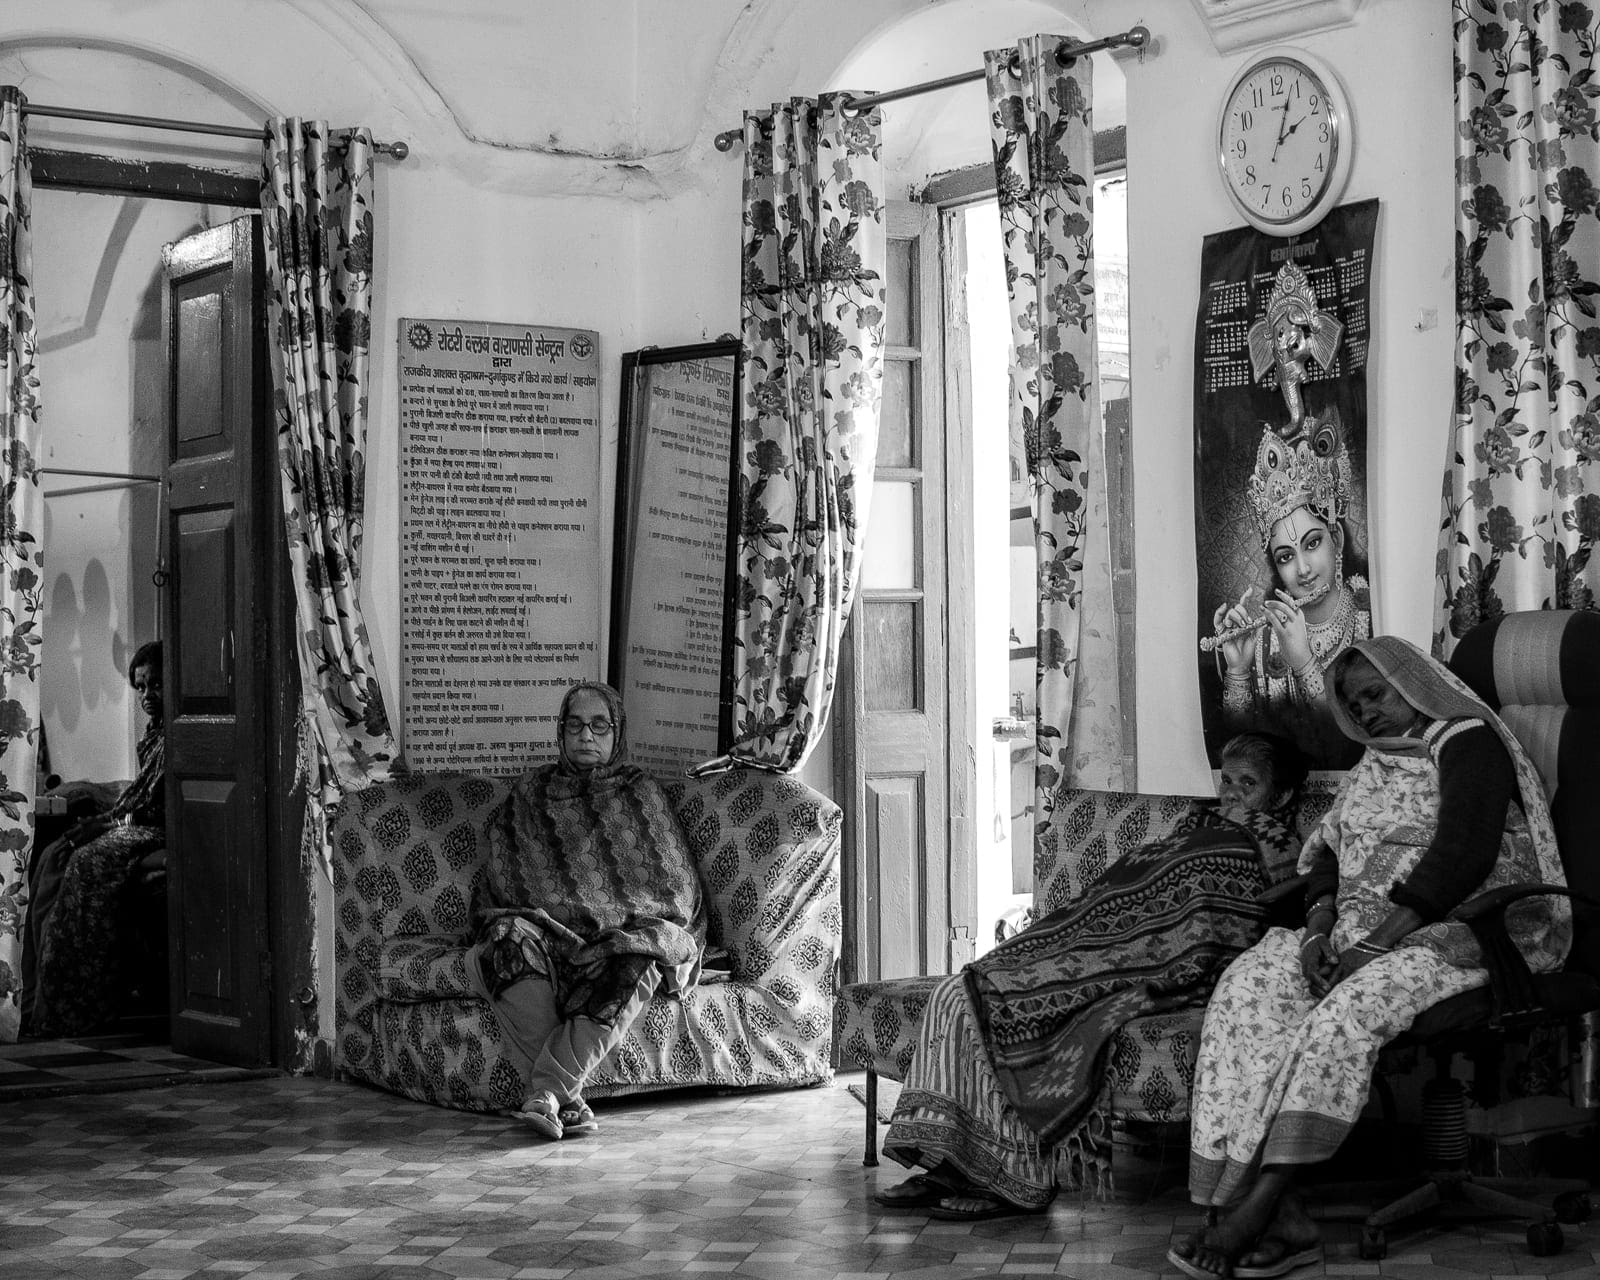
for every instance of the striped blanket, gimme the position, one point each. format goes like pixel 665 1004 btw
pixel 1151 935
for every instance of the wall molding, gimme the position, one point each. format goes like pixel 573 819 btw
pixel 1243 24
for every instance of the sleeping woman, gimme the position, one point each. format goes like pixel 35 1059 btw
pixel 1011 1052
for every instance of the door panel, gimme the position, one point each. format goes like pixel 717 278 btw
pixel 218 608
pixel 892 729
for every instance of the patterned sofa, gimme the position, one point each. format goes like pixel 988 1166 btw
pixel 1152 1058
pixel 405 854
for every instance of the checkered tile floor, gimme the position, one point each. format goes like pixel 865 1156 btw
pixel 131 1057
pixel 280 1178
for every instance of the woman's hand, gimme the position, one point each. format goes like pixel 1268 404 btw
pixel 1319 963
pixel 1289 626
pixel 1352 960
pixel 1237 655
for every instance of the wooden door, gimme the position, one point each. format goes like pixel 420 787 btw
pixel 218 615
pixel 907 854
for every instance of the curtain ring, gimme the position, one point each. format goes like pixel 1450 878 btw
pixel 1014 64
pixel 1065 56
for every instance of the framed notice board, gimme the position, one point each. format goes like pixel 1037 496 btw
pixel 675 542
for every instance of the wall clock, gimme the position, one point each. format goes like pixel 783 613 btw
pixel 1285 138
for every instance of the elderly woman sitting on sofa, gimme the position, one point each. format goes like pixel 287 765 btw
pixel 590 902
pixel 1011 1052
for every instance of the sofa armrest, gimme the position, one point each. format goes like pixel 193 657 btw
pixel 767 846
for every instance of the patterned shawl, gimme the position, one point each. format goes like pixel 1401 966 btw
pixel 588 881
pixel 144 799
pixel 1152 934
pixel 1541 927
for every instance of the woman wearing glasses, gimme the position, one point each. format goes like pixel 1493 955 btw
pixel 589 903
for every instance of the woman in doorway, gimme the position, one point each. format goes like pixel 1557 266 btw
pixel 1000 1097
pixel 75 922
pixel 590 903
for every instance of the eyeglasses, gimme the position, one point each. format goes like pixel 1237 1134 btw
pixel 599 726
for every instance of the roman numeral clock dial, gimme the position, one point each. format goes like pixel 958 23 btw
pixel 1285 140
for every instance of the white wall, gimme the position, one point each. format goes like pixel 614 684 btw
pixel 597 200
pixel 1395 62
pixel 97 270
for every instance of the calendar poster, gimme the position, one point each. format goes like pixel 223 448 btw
pixel 1281 343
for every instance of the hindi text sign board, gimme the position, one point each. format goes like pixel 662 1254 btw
pixel 499 537
pixel 677 467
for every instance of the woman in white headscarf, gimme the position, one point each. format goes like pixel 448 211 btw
pixel 1444 803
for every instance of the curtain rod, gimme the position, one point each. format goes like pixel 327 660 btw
pixel 100 475
pixel 1066 52
pixel 399 150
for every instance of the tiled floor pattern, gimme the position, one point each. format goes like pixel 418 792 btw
pixel 285 1178
pixel 128 1058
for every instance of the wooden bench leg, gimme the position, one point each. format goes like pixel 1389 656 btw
pixel 870 1159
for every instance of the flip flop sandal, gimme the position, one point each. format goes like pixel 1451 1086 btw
pixel 540 1115
pixel 919 1191
pixel 1288 1259
pixel 576 1120
pixel 968 1207
pixel 1194 1270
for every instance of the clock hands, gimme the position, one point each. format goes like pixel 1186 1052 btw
pixel 1283 119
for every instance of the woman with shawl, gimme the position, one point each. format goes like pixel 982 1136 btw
pixel 1443 804
pixel 71 951
pixel 590 902
pixel 1012 1052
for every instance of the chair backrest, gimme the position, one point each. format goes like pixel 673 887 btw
pixel 1540 670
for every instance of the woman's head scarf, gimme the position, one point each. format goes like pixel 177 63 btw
pixel 1429 686
pixel 619 736
pixel 1439 694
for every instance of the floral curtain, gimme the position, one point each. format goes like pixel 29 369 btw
pixel 1043 136
pixel 1521 510
pixel 812 304
pixel 21 587
pixel 317 206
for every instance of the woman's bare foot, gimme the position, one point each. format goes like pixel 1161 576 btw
pixel 1213 1252
pixel 1210 1254
pixel 1291 1233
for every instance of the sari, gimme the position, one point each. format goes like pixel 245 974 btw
pixel 78 889
pixel 1012 1053
pixel 1281 1074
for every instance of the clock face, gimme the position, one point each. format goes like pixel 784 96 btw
pixel 1284 144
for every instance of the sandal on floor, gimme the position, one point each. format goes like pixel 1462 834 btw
pixel 1194 1270
pixel 1285 1258
pixel 576 1119
pixel 541 1114
pixel 973 1206
pixel 919 1191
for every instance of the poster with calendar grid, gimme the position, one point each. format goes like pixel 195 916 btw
pixel 1282 336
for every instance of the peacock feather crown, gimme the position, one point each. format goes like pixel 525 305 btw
pixel 1311 472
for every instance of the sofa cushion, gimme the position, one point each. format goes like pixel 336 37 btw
pixel 876 1022
pixel 424 967
pixel 1151 1066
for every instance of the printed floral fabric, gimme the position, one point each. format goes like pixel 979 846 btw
pixel 317 207
pixel 1521 510
pixel 1282 1076
pixel 1379 829
pixel 1043 136
pixel 21 588
pixel 812 299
